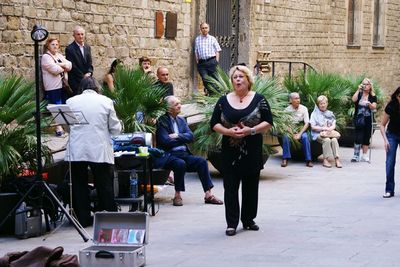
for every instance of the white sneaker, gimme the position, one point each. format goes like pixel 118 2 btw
pixel 355 159
pixel 365 158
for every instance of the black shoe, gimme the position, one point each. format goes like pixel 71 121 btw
pixel 253 227
pixel 388 195
pixel 86 223
pixel 230 231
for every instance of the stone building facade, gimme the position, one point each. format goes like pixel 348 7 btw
pixel 313 31
pixel 316 32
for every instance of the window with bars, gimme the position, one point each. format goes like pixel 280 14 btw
pixel 379 23
pixel 354 23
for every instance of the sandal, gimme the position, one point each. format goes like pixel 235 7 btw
pixel 284 163
pixel 338 164
pixel 213 200
pixel 326 164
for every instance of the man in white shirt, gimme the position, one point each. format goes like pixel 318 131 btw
pixel 302 120
pixel 90 145
pixel 207 55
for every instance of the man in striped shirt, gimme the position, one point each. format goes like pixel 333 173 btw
pixel 207 55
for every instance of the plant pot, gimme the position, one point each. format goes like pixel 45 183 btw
pixel 348 135
pixel 297 152
pixel 215 158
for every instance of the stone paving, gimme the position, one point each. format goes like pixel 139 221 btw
pixel 307 217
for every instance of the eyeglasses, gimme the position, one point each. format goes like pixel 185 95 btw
pixel 366 84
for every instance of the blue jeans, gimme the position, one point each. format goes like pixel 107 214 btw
pixel 181 162
pixel 394 142
pixel 305 142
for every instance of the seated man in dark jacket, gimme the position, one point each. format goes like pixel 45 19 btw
pixel 173 135
pixel 163 81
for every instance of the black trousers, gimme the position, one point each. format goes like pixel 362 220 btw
pixel 363 134
pixel 103 174
pixel 248 213
pixel 207 68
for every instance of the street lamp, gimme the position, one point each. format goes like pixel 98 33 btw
pixel 38 34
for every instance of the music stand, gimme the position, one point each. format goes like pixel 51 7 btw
pixel 63 115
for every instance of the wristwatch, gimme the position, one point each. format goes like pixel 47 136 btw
pixel 253 131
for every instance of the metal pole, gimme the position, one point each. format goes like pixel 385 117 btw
pixel 37 116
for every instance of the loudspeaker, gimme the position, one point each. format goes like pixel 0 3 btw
pixel 28 221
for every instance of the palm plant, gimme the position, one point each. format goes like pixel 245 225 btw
pixel 207 140
pixel 136 94
pixel 17 127
pixel 310 85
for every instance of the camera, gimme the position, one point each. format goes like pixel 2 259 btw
pixel 362 87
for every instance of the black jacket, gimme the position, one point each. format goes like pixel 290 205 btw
pixel 80 65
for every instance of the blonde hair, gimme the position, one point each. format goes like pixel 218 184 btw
pixel 246 71
pixel 322 98
pixel 366 80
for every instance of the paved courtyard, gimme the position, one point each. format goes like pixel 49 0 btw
pixel 307 217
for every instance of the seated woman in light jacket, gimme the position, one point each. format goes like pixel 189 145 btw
pixel 322 123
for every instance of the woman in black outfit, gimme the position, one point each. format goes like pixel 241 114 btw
pixel 365 101
pixel 241 117
pixel 390 130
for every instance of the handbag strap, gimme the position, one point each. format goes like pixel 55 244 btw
pixel 55 61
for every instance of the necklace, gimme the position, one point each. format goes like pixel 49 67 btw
pixel 242 97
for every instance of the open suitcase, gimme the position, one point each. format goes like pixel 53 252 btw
pixel 119 240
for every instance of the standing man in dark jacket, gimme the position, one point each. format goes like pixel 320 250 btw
pixel 80 55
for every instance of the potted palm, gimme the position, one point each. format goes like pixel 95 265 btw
pixel 137 101
pixel 17 142
pixel 339 90
pixel 17 128
pixel 310 85
pixel 208 143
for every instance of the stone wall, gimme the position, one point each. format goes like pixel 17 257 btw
pixel 315 31
pixel 115 29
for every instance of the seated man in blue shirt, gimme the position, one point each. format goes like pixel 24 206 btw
pixel 173 135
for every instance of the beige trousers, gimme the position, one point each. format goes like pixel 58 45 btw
pixel 330 147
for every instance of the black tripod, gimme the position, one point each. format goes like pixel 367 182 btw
pixel 39 34
pixel 43 187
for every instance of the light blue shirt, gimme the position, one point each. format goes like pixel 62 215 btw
pixel 206 46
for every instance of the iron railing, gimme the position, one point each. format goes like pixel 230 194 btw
pixel 270 66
